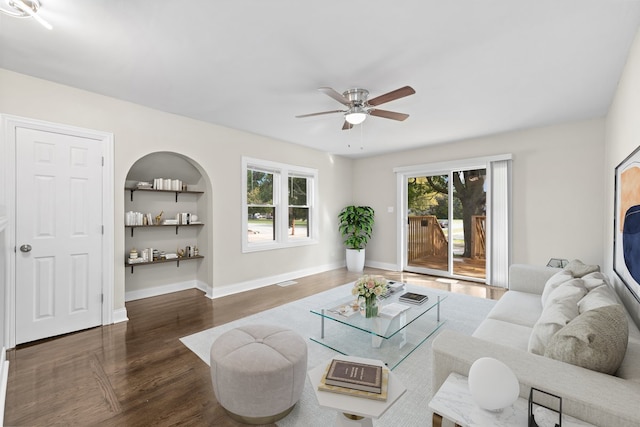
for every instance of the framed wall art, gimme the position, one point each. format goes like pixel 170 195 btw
pixel 626 237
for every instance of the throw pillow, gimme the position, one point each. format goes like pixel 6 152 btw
pixel 596 340
pixel 554 281
pixel 578 269
pixel 597 297
pixel 561 307
pixel 593 280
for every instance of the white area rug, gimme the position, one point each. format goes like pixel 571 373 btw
pixel 461 312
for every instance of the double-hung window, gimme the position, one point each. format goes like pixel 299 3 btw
pixel 278 204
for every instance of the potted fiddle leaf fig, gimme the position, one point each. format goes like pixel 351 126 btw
pixel 356 226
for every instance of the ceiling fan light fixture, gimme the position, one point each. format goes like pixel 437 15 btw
pixel 24 9
pixel 356 115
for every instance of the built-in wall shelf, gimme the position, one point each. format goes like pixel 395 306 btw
pixel 177 226
pixel 132 190
pixel 162 261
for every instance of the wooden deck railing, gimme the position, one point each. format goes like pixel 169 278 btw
pixel 425 238
pixel 479 237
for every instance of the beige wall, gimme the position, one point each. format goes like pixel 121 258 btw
pixel 217 151
pixel 557 190
pixel 557 177
pixel 622 138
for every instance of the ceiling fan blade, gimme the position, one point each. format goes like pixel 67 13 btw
pixel 346 125
pixel 334 94
pixel 391 96
pixel 320 114
pixel 388 114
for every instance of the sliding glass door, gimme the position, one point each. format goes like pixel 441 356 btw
pixel 428 222
pixel 446 223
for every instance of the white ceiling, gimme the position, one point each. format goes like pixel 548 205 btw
pixel 478 66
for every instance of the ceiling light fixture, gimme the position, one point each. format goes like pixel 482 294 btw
pixel 356 115
pixel 24 9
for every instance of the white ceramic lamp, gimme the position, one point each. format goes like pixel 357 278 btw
pixel 493 384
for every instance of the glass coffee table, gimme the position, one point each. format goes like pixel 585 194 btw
pixel 389 337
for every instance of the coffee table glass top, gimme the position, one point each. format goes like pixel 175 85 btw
pixel 391 337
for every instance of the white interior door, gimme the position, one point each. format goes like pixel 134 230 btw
pixel 58 234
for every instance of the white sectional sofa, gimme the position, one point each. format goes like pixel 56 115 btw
pixel 520 325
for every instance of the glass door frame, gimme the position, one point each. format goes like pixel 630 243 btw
pixel 443 168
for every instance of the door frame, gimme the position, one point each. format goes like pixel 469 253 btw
pixel 9 125
pixel 404 172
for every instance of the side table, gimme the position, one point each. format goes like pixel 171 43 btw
pixel 353 410
pixel 454 402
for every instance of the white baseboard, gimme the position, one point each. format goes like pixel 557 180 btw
pixel 159 290
pixel 120 315
pixel 4 372
pixel 266 281
pixel 381 265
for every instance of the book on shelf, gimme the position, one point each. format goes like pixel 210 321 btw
pixel 357 376
pixel 382 396
pixel 413 298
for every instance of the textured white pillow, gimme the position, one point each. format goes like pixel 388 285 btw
pixel 601 296
pixel 561 307
pixel 593 280
pixel 554 281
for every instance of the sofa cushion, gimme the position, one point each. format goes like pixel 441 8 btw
pixel 554 281
pixel 593 280
pixel 630 368
pixel 596 340
pixel 504 333
pixel 521 308
pixel 578 269
pixel 597 297
pixel 561 307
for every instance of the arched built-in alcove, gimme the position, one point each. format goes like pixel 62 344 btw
pixel 155 278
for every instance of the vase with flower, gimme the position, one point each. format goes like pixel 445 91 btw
pixel 368 288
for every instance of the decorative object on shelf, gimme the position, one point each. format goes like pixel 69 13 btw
pixel 356 226
pixel 370 288
pixel 133 253
pixel 159 218
pixel 493 384
pixel 168 184
pixel 545 409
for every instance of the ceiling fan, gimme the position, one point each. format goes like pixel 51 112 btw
pixel 359 107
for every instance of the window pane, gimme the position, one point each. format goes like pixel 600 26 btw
pixel 297 191
pixel 260 224
pixel 259 188
pixel 298 223
pixel 468 228
pixel 428 222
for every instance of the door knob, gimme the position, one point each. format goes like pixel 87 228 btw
pixel 25 248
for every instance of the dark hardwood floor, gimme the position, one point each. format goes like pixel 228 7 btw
pixel 138 373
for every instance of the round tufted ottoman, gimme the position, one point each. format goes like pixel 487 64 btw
pixel 258 372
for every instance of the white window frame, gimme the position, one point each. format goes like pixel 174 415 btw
pixel 282 172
